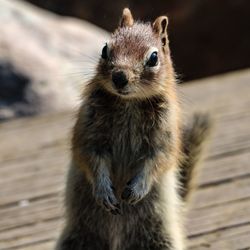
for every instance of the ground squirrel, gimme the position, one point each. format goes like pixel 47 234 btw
pixel 123 190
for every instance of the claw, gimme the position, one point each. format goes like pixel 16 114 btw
pixel 106 205
pixel 136 189
pixel 126 193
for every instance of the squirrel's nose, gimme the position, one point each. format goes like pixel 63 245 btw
pixel 119 79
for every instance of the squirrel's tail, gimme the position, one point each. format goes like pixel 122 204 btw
pixel 194 138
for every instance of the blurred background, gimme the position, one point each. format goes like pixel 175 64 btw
pixel 207 37
pixel 49 49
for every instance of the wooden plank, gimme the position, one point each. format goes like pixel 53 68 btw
pixel 226 192
pixel 35 166
pixel 30 234
pixel 45 173
pixel 31 135
pixel 212 219
pixel 225 169
pixel 228 237
pixel 31 212
pixel 42 245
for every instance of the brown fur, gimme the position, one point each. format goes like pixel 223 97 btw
pixel 126 149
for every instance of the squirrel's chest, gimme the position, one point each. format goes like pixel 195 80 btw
pixel 129 133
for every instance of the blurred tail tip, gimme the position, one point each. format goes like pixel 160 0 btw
pixel 202 123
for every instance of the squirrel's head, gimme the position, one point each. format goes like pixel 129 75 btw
pixel 136 62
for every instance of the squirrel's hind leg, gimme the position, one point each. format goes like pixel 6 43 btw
pixel 74 240
pixel 150 236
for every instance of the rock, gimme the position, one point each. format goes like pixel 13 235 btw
pixel 44 59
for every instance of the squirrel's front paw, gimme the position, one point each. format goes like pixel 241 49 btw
pixel 136 189
pixel 105 197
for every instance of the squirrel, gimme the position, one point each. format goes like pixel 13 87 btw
pixel 132 159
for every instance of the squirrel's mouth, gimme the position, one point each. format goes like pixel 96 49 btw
pixel 123 92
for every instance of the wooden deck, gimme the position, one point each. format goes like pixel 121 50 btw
pixel 34 154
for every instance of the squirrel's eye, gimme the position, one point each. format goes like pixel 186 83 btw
pixel 105 52
pixel 153 59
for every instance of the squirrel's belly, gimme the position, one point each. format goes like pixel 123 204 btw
pixel 126 155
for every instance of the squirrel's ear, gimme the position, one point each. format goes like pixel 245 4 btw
pixel 127 18
pixel 160 28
